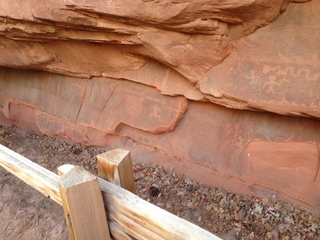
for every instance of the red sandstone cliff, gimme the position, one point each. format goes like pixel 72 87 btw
pixel 169 80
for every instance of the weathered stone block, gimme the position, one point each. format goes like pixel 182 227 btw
pixel 283 166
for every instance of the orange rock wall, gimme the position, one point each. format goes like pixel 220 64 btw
pixel 228 94
pixel 245 151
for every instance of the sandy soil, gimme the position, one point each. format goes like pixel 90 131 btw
pixel 27 214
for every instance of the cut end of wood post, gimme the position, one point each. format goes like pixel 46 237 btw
pixel 116 166
pixel 78 176
pixel 115 156
pixel 64 169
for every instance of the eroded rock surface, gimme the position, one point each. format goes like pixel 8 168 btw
pixel 187 39
pixel 217 90
pixel 276 68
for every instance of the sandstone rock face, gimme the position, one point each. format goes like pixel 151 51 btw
pixel 226 92
pixel 275 69
pixel 185 41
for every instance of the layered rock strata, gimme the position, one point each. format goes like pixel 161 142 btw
pixel 226 92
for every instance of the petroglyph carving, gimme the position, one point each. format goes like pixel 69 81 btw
pixel 156 111
pixel 203 124
pixel 272 82
pixel 201 131
pixel 138 94
pixel 238 136
pixel 276 75
pixel 133 105
pixel 253 77
pixel 307 72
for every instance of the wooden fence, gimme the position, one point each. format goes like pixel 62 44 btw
pixel 95 208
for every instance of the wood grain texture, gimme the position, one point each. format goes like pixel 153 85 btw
pixel 116 166
pixel 131 214
pixel 83 205
pixel 142 218
pixel 115 231
pixel 32 174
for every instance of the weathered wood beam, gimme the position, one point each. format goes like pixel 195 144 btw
pixel 83 205
pixel 115 231
pixel 31 173
pixel 124 208
pixel 143 220
pixel 129 210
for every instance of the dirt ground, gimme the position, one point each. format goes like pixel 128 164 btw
pixel 27 214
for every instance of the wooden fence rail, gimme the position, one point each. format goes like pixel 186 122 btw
pixel 129 217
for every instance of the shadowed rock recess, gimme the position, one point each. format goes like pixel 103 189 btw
pixel 226 92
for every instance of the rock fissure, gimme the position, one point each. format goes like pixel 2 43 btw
pixel 107 101
pixel 82 99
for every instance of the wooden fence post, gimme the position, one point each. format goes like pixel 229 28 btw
pixel 115 232
pixel 116 167
pixel 129 215
pixel 83 205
